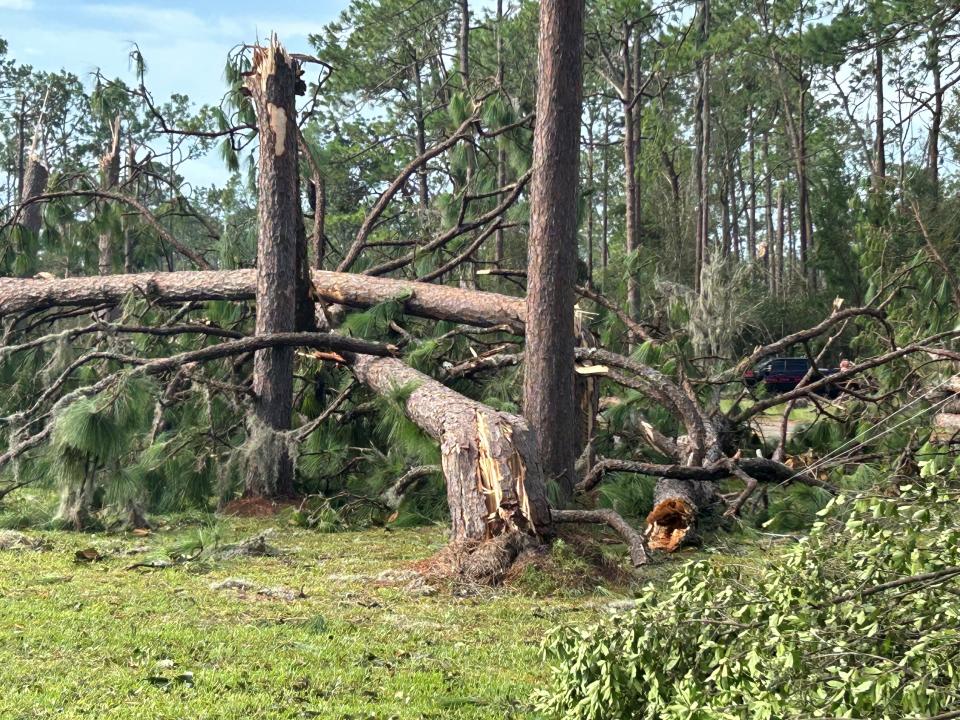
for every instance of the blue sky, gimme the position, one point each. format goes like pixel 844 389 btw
pixel 185 44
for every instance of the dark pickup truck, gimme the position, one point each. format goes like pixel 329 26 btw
pixel 783 374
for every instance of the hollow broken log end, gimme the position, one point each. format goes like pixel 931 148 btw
pixel 669 524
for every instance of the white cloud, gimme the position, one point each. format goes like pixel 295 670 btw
pixel 145 16
pixel 16 4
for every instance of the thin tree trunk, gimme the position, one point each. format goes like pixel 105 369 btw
pixel 734 214
pixel 703 147
pixel 605 209
pixel 936 115
pixel 318 237
pixel 768 214
pixel 780 231
pixel 465 45
pixel 806 229
pixel 725 219
pixel 548 392
pixel 272 85
pixel 21 146
pixel 501 152
pixel 590 203
pixel 132 175
pixel 791 255
pixel 421 139
pixel 880 158
pixel 752 217
pixel 109 179
pixel 630 172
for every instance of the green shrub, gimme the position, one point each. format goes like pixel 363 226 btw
pixel 812 633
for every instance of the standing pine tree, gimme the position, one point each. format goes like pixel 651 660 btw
pixel 548 392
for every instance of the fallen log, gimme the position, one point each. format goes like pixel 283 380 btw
pixel 495 486
pixel 438 302
pixel 676 506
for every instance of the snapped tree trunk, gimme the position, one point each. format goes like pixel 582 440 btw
pixel 676 507
pixel 109 179
pixel 495 486
pixel 548 384
pixel 272 85
pixel 34 183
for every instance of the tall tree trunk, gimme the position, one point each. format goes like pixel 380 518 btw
pixel 781 218
pixel 109 179
pixel 133 177
pixel 21 146
pixel 803 185
pixel 630 171
pixel 880 157
pixel 318 236
pixel 501 151
pixel 752 216
pixel 605 208
pixel 464 59
pixel 936 115
pixel 590 203
pixel 548 392
pixel 734 213
pixel 272 86
pixel 725 232
pixel 768 213
pixel 421 138
pixel 703 146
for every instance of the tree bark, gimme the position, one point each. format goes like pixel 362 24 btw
pixel 272 86
pixel 437 302
pixel 34 183
pixel 778 254
pixel 676 507
pixel 936 115
pixel 501 152
pixel 548 387
pixel 109 179
pixel 752 216
pixel 768 214
pixel 703 148
pixel 879 142
pixel 495 486
pixel 630 171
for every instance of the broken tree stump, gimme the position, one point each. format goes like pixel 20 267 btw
pixel 495 487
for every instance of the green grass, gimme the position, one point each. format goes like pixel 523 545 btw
pixel 799 414
pixel 98 640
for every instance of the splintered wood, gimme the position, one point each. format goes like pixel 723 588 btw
pixel 491 478
pixel 668 524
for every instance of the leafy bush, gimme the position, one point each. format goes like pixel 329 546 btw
pixel 821 631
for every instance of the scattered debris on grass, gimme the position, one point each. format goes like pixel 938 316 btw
pixel 14 540
pixel 257 546
pixel 88 555
pixel 410 581
pixel 245 588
